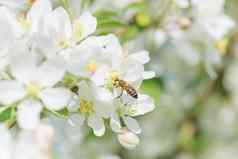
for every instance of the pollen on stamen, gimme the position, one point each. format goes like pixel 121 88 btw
pixel 92 67
pixel 86 106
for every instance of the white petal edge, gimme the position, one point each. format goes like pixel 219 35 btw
pixel 128 139
pixel 115 123
pixel 142 57
pixel 23 70
pixel 58 24
pixel 148 74
pixel 132 124
pixel 97 124
pixel 6 143
pixel 28 114
pixel 145 104
pixel 51 72
pixel 76 119
pixel 88 24
pixel 55 98
pixel 11 91
pixel 39 9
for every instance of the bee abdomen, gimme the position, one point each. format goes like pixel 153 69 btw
pixel 132 92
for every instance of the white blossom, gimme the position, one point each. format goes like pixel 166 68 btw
pixel 46 52
pixel 128 139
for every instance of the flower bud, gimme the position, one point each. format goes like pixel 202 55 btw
pixel 128 139
pixel 143 20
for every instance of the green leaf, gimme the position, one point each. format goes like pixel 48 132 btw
pixel 131 33
pixel 102 14
pixel 3 108
pixel 139 6
pixel 86 3
pixel 110 23
pixel 5 113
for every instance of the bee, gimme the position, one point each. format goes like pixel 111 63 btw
pixel 124 86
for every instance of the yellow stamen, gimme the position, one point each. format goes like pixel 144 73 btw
pixel 86 106
pixel 92 67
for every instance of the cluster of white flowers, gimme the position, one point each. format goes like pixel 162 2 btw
pixel 50 61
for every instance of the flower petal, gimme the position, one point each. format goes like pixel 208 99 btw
pixel 102 94
pixel 76 119
pixel 8 28
pixel 148 74
pixel 115 123
pixel 85 91
pixel 133 71
pixel 132 124
pixel 144 105
pixel 55 98
pixel 6 143
pixel 128 139
pixel 28 114
pixel 88 24
pixel 218 26
pixel 103 102
pixel 58 25
pixel 97 124
pixel 23 70
pixel 74 104
pixel 108 48
pixel 142 57
pixel 51 72
pixel 38 10
pixel 99 77
pixel 11 91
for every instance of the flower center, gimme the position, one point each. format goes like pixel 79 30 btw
pixel 86 106
pixel 92 67
pixel 33 89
